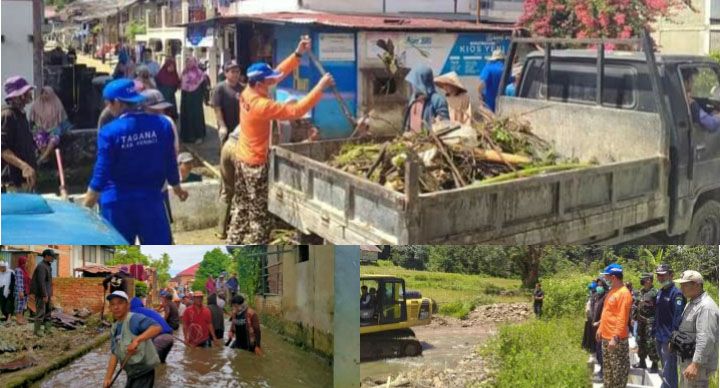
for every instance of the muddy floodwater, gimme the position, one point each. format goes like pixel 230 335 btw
pixel 443 348
pixel 283 365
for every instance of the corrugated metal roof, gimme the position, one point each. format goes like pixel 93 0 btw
pixel 107 269
pixel 363 22
pixel 370 248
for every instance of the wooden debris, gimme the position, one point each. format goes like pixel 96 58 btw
pixel 20 363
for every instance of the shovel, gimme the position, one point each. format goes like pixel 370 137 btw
pixel 61 175
pixel 343 104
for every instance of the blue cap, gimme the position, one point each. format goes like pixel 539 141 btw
pixel 261 71
pixel 613 269
pixel 122 90
pixel 592 285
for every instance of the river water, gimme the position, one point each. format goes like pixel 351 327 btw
pixel 283 365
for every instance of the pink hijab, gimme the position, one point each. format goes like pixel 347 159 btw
pixel 192 76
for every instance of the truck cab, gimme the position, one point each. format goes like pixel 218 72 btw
pixel 691 88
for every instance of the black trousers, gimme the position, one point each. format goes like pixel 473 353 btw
pixel 146 380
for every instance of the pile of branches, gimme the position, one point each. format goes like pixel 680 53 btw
pixel 492 150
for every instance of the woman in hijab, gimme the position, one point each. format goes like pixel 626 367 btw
pixel 457 97
pixel 22 289
pixel 426 105
pixel 49 121
pixel 192 117
pixel 7 291
pixel 143 76
pixel 168 82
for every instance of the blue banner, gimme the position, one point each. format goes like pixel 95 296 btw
pixel 471 51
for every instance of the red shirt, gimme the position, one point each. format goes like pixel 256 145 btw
pixel 196 324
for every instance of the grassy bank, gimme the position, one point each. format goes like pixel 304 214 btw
pixel 455 294
pixel 539 353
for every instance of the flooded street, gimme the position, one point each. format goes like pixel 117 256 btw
pixel 283 365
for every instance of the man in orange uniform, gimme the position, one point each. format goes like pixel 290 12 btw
pixel 613 329
pixel 250 221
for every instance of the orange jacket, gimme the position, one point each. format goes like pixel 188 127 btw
pixel 258 111
pixel 616 314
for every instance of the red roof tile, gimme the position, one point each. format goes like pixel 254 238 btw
pixel 189 271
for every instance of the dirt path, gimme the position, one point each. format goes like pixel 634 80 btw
pixel 449 350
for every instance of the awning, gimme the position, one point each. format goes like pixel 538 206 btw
pixel 357 22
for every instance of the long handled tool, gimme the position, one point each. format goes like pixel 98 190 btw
pixel 343 104
pixel 122 366
pixel 61 174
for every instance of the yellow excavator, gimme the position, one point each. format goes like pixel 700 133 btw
pixel 387 314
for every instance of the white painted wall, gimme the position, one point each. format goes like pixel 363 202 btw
pixel 259 6
pixel 17 49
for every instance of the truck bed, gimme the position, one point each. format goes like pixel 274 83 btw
pixel 608 203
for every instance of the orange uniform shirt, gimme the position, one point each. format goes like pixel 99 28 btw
pixel 616 314
pixel 257 113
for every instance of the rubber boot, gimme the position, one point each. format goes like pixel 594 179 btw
pixel 37 329
pixel 48 326
pixel 654 367
pixel 224 216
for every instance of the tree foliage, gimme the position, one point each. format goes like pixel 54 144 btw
pixel 213 264
pixel 530 263
pixel 131 254
pixel 595 18
pixel 249 270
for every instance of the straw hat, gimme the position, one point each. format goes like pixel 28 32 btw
pixel 451 79
pixel 497 54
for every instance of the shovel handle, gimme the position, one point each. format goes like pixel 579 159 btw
pixel 343 104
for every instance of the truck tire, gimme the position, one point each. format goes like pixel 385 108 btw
pixel 705 226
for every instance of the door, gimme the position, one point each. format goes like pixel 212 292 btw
pixel 701 84
pixel 382 301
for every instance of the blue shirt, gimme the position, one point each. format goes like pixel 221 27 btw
pixel 510 90
pixel 135 157
pixel 668 312
pixel 138 325
pixel 708 121
pixel 491 75
pixel 137 307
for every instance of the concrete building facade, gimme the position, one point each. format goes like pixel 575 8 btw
pixel 691 32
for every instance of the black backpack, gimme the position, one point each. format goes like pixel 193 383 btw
pixel 682 344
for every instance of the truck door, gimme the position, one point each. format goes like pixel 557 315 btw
pixel 701 84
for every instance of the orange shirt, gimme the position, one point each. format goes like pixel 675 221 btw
pixel 616 314
pixel 257 113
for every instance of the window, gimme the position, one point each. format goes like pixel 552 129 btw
pixel 701 86
pixel 576 82
pixel 303 253
pixel 89 254
pixel 383 86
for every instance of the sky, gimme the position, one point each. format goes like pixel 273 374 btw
pixel 182 256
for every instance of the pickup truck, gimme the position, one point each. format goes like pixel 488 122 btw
pixel 634 113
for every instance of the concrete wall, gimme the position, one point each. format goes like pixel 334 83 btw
pixel 686 32
pixel 17 26
pixel 346 363
pixel 202 208
pixel 305 308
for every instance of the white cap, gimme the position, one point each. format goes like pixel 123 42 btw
pixel 118 294
pixel 690 276
pixel 185 157
pixel 3 264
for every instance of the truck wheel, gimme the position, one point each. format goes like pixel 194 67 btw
pixel 705 226
pixel 413 349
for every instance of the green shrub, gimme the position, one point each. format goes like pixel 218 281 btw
pixel 539 354
pixel 141 289
pixel 492 289
pixel 385 263
pixel 461 308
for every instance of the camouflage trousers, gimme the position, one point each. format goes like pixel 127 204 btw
pixel 250 222
pixel 616 364
pixel 646 341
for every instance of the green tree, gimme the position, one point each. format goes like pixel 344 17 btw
pixel 213 264
pixel 129 254
pixel 249 261
pixel 162 265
